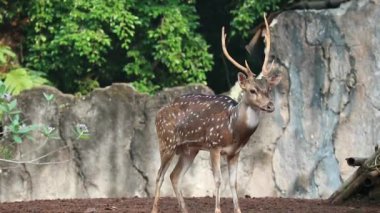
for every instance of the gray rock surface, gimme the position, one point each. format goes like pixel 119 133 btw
pixel 327 108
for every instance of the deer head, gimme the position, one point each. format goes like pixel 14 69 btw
pixel 256 90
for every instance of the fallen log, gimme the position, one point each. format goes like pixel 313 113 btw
pixel 366 174
pixel 352 161
pixel 374 194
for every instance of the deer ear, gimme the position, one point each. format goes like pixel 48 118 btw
pixel 274 79
pixel 242 78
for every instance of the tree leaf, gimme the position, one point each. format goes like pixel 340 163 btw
pixel 17 139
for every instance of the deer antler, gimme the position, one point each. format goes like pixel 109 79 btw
pixel 245 69
pixel 265 71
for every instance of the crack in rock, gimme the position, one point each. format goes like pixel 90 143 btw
pixel 27 177
pixel 141 172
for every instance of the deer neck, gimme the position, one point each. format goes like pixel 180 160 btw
pixel 244 121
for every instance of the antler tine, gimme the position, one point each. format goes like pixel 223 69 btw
pixel 265 70
pixel 246 70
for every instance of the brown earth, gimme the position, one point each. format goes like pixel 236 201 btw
pixel 202 205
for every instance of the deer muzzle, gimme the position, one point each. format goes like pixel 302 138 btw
pixel 269 107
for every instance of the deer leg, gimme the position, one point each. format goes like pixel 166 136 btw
pixel 215 163
pixel 165 162
pixel 232 163
pixel 185 160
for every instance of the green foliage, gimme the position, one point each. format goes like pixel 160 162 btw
pixel 20 79
pixel 4 13
pixel 71 39
pixel 81 132
pixel 6 55
pixel 173 54
pixel 49 97
pixel 17 78
pixel 81 44
pixel 150 43
pixel 15 129
pixel 248 12
pixel 86 85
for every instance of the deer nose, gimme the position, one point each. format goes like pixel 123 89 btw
pixel 270 106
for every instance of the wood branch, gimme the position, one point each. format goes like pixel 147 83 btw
pixel 354 161
pixel 316 4
pixel 348 187
pixel 36 160
pixel 32 162
pixel 257 31
pixel 372 179
pixel 252 43
pixel 374 173
pixel 368 169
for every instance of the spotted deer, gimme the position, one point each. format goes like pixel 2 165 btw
pixel 215 123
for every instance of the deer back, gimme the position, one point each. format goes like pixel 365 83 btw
pixel 202 121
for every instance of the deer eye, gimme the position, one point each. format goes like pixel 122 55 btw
pixel 252 91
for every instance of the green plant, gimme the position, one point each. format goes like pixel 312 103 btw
pixel 152 44
pixel 13 128
pixel 81 44
pixel 16 130
pixel 49 97
pixel 6 56
pixel 81 132
pixel 179 54
pixel 247 12
pixel 15 77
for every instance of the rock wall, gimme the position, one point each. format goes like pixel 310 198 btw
pixel 327 108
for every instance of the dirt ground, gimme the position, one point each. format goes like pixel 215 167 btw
pixel 202 205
